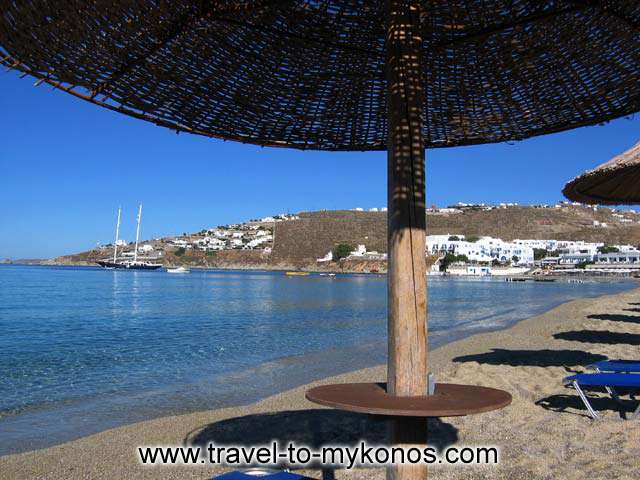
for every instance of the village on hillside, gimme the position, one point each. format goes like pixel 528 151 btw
pixel 350 242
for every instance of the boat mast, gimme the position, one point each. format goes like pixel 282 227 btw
pixel 115 244
pixel 135 253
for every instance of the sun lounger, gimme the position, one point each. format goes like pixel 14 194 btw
pixel 609 381
pixel 617 366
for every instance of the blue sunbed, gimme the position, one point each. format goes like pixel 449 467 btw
pixel 609 381
pixel 617 366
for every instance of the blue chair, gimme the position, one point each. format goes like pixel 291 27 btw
pixel 616 366
pixel 608 381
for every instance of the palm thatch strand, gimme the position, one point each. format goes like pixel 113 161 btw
pixel 311 73
pixel 616 182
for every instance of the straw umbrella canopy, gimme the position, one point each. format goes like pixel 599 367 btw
pixel 616 182
pixel 399 75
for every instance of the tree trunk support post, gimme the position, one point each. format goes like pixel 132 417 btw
pixel 407 286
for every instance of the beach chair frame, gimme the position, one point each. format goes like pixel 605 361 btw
pixel 611 391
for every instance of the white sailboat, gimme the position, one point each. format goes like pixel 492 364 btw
pixel 129 265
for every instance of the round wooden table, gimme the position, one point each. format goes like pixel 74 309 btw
pixel 448 400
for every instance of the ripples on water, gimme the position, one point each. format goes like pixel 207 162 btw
pixel 101 348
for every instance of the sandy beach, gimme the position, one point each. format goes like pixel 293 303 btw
pixel 545 433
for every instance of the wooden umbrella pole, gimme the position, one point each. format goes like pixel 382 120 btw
pixel 407 289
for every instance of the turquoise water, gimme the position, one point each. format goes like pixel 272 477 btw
pixel 84 349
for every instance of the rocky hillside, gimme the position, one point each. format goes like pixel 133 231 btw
pixel 315 233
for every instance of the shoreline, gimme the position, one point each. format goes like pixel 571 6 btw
pixel 248 268
pixel 558 275
pixel 516 359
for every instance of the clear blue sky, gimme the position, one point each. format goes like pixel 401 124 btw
pixel 66 166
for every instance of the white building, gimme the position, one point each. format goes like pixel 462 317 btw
pixel 210 244
pixel 619 258
pixel 179 243
pixel 549 245
pixel 327 258
pixel 449 210
pixel 359 251
pixel 574 258
pixel 257 242
pixel 485 249
pixel 626 248
pixel 441 245
pixel 568 247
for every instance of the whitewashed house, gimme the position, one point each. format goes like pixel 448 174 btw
pixel 327 258
pixel 256 242
pixel 618 258
pixel 626 248
pixel 221 233
pixel 549 245
pixel 568 247
pixel 485 249
pixel 359 251
pixel 210 244
pixel 178 242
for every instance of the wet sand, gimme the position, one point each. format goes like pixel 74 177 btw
pixel 545 433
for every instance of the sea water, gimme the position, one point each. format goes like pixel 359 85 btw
pixel 86 349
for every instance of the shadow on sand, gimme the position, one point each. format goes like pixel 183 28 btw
pixel 533 358
pixel 615 318
pixel 560 403
pixel 313 428
pixel 596 336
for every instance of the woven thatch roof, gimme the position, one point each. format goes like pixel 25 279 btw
pixel 616 182
pixel 310 73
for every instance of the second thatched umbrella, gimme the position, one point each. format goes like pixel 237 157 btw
pixel 616 182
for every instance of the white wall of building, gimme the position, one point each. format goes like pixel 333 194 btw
pixel 485 249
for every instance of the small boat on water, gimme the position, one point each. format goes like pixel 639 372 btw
pixel 295 274
pixel 178 270
pixel 128 264
pixel 327 274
